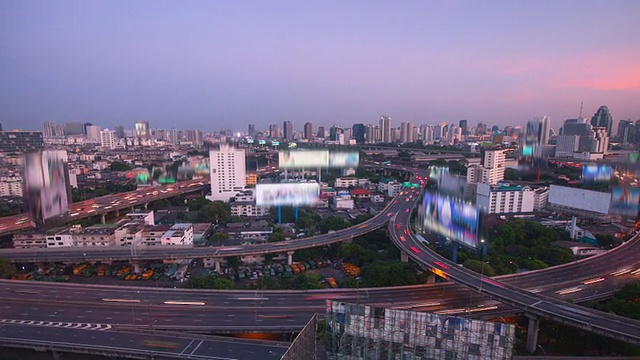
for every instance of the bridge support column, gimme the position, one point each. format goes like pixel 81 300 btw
pixel 146 205
pixel 431 278
pixel 404 257
pixel 131 209
pixel 103 218
pixel 136 266
pixel 290 257
pixel 532 333
pixel 216 263
pixel 117 213
pixel 454 251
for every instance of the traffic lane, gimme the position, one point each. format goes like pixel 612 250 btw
pixel 170 345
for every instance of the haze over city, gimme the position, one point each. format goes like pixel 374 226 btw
pixel 216 65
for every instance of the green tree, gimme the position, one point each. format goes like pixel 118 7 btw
pixel 333 222
pixel 234 262
pixel 479 267
pixel 7 269
pixel 119 166
pixel 307 282
pixel 277 236
pixel 217 212
pixel 389 274
pixel 222 283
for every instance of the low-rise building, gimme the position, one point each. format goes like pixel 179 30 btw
pixel 342 202
pixel 152 235
pixel 244 204
pixel 361 194
pixel 178 234
pixel 345 182
pixel 504 198
pixel 11 185
pixel 389 187
pixel 129 233
pixel 31 240
pixel 540 198
pixel 92 236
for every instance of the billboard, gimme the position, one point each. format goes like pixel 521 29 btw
pixel 624 201
pixel 579 199
pixel 297 159
pixel 45 184
pixel 457 220
pixel 344 159
pixel 596 173
pixel 287 194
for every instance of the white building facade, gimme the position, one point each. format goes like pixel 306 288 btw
pixel 505 199
pixel 228 172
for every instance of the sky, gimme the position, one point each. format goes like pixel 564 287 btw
pixel 215 65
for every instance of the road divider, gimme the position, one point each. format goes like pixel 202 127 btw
pixel 191 303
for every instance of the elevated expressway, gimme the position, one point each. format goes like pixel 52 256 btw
pixel 104 205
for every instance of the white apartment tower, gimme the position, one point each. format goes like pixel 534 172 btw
pixel 385 129
pixel 228 172
pixel 491 171
pixel 108 138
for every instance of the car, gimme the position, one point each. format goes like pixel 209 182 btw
pixel 402 238
pixel 406 231
pixel 406 211
pixel 415 249
pixel 397 226
pixel 395 202
pixel 389 214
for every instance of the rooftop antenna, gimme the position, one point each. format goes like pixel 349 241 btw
pixel 581 103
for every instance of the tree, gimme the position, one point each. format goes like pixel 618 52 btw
pixel 333 223
pixel 479 267
pixel 277 236
pixel 119 166
pixel 234 262
pixel 307 282
pixel 217 212
pixel 222 283
pixel 7 269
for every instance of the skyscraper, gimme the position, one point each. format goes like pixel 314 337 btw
pixel 142 129
pixel 108 138
pixel 48 129
pixel 287 127
pixel 463 125
pixel 358 132
pixel 545 127
pixel 406 132
pixel 251 130
pixel 274 131
pixel 120 132
pixel 74 128
pixel 602 118
pixel 173 136
pixel 385 128
pixel 334 133
pixel 228 172
pixel 93 132
pixel 370 134
pixel 308 131
pixel 321 133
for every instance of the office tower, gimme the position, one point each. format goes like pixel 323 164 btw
pixel 274 131
pixel 385 129
pixel 545 127
pixel 173 136
pixel 358 132
pixel 287 127
pixel 93 132
pixel 624 126
pixel 463 126
pixel 579 138
pixel 406 132
pixel 495 128
pixel 370 134
pixel 142 129
pixel 415 132
pixel 334 133
pixel 120 132
pixel 491 169
pixel 85 126
pixel 603 139
pixel 0 126
pixel 74 128
pixel 321 132
pixel 251 130
pixel 228 172
pixel 439 131
pixel 108 139
pixel 20 141
pixel 426 133
pixel 194 136
pixel 602 118
pixel 161 134
pixel 455 134
pixel 48 129
pixel 308 131
pixel 481 129
pixel 59 130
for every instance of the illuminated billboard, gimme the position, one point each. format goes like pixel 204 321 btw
pixel 624 201
pixel 287 194
pixel 597 173
pixel 45 183
pixel 344 159
pixel 297 159
pixel 452 218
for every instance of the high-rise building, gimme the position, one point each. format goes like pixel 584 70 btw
pixel 251 130
pixel 194 136
pixel 491 169
pixel 385 129
pixel 334 133
pixel 60 131
pixel 602 118
pixel 579 139
pixel 142 130
pixel 108 139
pixel 93 132
pixel 274 131
pixel 406 132
pixel 228 172
pixel 84 127
pixel 481 129
pixel 426 133
pixel 624 127
pixel 321 133
pixel 74 128
pixel 0 126
pixel 287 127
pixel 358 133
pixel 545 128
pixel 463 125
pixel 308 131
pixel 173 136
pixel 120 132
pixel 20 141
pixel 48 129
pixel 370 135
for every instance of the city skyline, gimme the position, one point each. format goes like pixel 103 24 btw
pixel 223 66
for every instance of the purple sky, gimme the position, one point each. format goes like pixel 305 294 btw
pixel 225 64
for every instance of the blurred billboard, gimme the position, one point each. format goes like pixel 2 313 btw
pixel 457 220
pixel 624 201
pixel 596 173
pixel 562 197
pixel 340 159
pixel 297 159
pixel 287 194
pixel 46 184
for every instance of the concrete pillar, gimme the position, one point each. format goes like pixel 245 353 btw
pixel 404 257
pixel 532 333
pixel 131 209
pixel 117 213
pixel 290 257
pixel 146 205
pixel 431 278
pixel 41 267
pixel 216 262
pixel 136 266
pixel 103 218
